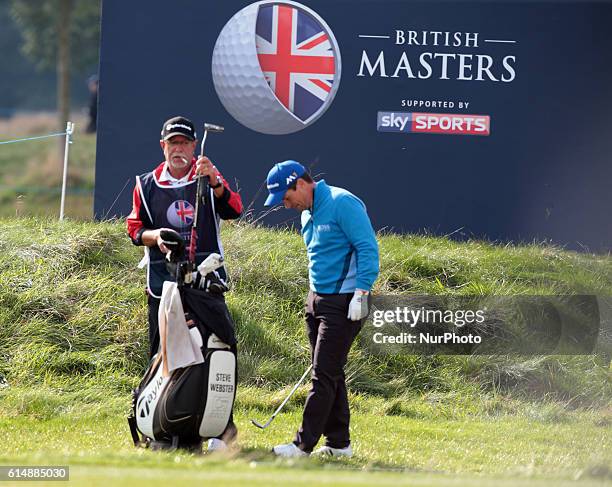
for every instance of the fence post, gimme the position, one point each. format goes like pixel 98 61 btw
pixel 69 131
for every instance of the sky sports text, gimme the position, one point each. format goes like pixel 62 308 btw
pixel 433 123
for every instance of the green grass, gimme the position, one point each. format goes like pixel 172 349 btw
pixel 31 171
pixel 73 344
pixel 429 449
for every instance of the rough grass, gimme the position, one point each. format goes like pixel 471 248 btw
pixel 31 171
pixel 73 308
pixel 73 344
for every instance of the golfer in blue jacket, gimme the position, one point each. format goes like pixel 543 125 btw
pixel 342 267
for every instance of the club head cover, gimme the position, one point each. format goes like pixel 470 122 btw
pixel 216 285
pixel 211 263
pixel 212 283
pixel 175 243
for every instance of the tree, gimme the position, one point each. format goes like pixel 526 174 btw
pixel 49 28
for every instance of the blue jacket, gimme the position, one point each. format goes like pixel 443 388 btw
pixel 340 241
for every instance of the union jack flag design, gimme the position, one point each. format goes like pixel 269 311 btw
pixel 297 58
pixel 180 213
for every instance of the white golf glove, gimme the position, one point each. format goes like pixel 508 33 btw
pixel 358 307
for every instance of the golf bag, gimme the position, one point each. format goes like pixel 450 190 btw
pixel 193 402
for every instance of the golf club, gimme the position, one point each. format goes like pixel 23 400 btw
pixel 264 426
pixel 208 127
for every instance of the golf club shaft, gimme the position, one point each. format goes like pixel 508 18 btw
pixel 293 390
pixel 208 127
pixel 194 235
pixel 295 387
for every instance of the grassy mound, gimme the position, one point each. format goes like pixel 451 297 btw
pixel 73 315
pixel 73 344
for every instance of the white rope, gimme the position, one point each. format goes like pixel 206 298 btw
pixel 33 138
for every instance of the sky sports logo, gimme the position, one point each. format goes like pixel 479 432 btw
pixel 433 123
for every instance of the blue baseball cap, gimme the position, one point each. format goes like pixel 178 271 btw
pixel 280 177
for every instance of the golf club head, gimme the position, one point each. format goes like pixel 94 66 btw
pixel 210 127
pixel 259 425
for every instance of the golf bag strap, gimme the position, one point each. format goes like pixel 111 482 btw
pixel 132 423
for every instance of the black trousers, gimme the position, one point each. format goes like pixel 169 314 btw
pixel 153 325
pixel 331 335
pixel 230 432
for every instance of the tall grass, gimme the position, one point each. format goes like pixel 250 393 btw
pixel 73 314
pixel 31 171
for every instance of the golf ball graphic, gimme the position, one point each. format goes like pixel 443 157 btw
pixel 276 67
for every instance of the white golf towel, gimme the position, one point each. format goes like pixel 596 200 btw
pixel 177 345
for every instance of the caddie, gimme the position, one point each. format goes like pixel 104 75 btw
pixel 342 267
pixel 165 198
